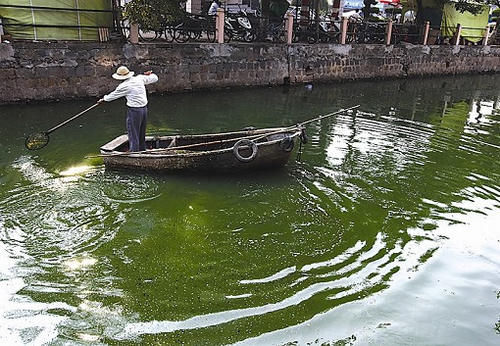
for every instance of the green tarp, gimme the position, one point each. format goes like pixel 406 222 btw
pixel 33 19
pixel 473 26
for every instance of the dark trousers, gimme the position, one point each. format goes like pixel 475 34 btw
pixel 136 127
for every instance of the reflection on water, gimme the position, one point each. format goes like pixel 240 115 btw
pixel 383 233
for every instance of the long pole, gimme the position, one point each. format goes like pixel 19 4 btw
pixel 326 116
pixel 307 122
pixel 71 119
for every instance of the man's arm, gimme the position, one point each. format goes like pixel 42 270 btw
pixel 120 91
pixel 149 77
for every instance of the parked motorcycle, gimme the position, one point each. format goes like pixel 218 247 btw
pixel 239 27
pixel 325 32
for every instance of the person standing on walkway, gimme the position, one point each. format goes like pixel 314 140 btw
pixel 212 11
pixel 134 90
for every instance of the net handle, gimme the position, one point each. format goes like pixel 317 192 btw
pixel 70 119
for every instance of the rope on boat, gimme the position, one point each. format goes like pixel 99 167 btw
pixel 301 125
pixel 255 137
pixel 162 150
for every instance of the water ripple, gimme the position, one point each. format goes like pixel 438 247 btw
pixel 385 201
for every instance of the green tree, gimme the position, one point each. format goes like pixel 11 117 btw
pixel 152 14
pixel 368 10
pixel 474 6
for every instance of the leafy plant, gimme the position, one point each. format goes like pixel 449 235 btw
pixel 474 6
pixel 393 11
pixel 367 9
pixel 496 14
pixel 461 5
pixel 153 14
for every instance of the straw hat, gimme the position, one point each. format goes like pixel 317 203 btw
pixel 122 72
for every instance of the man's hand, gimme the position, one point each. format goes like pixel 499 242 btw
pixel 147 73
pixel 100 101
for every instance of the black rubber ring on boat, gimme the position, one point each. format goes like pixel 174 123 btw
pixel 286 144
pixel 242 143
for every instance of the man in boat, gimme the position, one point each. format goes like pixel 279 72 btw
pixel 134 90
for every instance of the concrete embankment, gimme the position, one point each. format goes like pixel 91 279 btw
pixel 32 71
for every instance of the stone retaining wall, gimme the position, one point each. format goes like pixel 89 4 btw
pixel 47 71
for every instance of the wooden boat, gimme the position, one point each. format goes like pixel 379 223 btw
pixel 240 150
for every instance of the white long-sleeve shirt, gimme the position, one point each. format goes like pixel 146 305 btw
pixel 133 89
pixel 212 11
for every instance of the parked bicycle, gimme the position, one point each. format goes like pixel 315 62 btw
pixel 313 32
pixel 370 32
pixel 162 30
pixel 241 26
pixel 195 27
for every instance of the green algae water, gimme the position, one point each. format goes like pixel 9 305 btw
pixel 386 232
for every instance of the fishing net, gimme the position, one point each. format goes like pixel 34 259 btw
pixel 36 141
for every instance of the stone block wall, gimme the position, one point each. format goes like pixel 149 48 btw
pixel 56 70
pixel 346 62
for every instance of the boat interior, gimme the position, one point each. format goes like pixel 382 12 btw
pixel 196 143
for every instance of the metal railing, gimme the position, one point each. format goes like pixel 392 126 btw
pixel 460 35
pixel 248 27
pixel 316 31
pixel 409 33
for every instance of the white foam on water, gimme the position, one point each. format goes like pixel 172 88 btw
pixel 279 275
pixel 23 320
